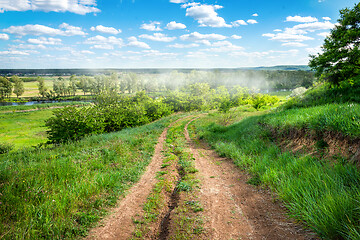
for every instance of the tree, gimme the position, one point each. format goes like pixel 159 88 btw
pixel 41 87
pixel 340 59
pixel 72 85
pixel 18 86
pixel 5 87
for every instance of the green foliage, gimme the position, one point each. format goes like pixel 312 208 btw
pixel 41 87
pixel 5 147
pixel 347 91
pixel 110 113
pixel 340 118
pixel 340 58
pixel 5 87
pixel 18 86
pixel 59 193
pixel 261 100
pixel 323 196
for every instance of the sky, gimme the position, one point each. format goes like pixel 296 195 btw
pixel 163 33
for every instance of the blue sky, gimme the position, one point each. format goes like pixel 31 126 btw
pixel 163 33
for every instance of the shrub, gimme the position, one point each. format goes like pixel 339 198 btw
pixel 5 147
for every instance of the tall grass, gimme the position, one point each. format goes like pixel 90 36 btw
pixel 342 118
pixel 59 193
pixel 323 196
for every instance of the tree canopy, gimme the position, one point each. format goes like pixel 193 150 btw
pixel 340 59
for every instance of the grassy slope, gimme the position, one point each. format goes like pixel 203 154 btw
pixel 58 193
pixel 324 196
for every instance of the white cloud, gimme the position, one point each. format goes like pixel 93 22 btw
pixel 326 18
pixel 277 30
pixel 156 53
pixel 238 23
pixel 101 42
pixel 30 29
pixel 294 44
pixel 71 30
pixel 133 42
pixel 109 30
pixel 286 37
pixel 87 52
pixel 206 15
pixel 324 34
pixel 159 37
pixel 4 36
pixel 236 36
pixel 27 46
pixel 177 45
pixel 255 15
pixel 314 50
pixel 152 26
pixel 75 6
pixel 14 52
pixel 178 1
pixel 195 36
pixel 310 27
pixel 44 41
pixel 252 21
pixel 174 25
pixel 301 19
pixel 224 46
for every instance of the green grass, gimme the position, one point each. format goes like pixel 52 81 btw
pixel 40 106
pixel 24 129
pixel 323 196
pixel 59 193
pixel 339 118
pixel 321 94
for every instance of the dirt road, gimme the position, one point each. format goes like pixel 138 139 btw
pixel 232 209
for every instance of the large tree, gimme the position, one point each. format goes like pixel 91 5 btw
pixel 5 87
pixel 340 59
pixel 18 86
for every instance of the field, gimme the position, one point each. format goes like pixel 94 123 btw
pixel 305 155
pixel 24 129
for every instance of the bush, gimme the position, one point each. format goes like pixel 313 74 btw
pixel 5 147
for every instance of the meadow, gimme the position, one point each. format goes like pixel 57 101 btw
pixel 61 192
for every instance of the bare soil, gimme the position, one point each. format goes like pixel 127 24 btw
pixel 233 209
pixel 119 225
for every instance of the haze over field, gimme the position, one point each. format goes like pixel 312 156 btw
pixel 163 33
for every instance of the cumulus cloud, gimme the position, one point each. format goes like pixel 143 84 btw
pixel 101 42
pixel 206 15
pixel 159 37
pixel 301 19
pixel 174 25
pixel 44 41
pixel 224 46
pixel 195 36
pixel 14 52
pixel 326 18
pixel 311 27
pixel 4 36
pixel 239 23
pixel 286 37
pixel 178 45
pixel 152 26
pixel 252 21
pixel 324 34
pixel 75 6
pixel 236 37
pixel 37 29
pixel 133 42
pixel 102 29
pixel 255 15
